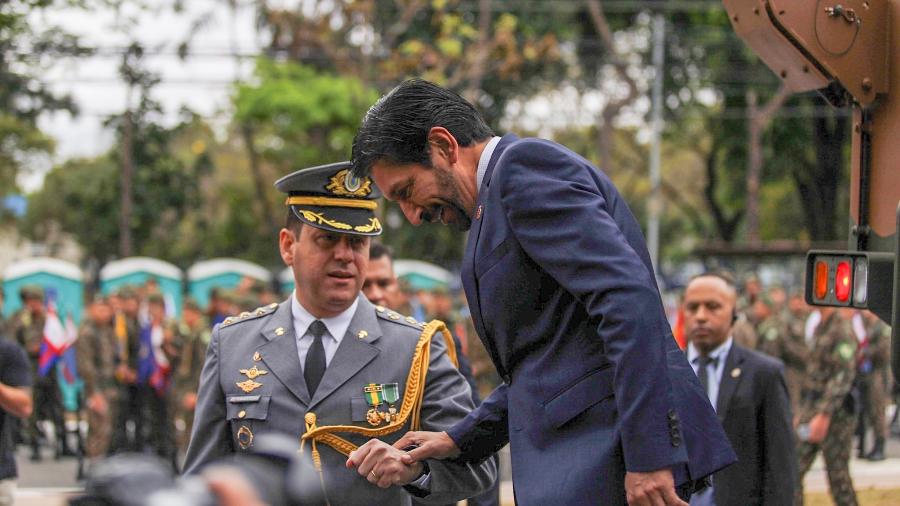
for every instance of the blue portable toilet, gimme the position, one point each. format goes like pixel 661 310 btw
pixel 63 282
pixel 222 273
pixel 60 280
pixel 422 275
pixel 136 271
pixel 286 281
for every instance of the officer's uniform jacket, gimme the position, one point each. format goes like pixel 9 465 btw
pixel 377 348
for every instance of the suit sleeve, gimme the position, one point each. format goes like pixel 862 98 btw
pixel 484 431
pixel 447 400
pixel 211 437
pixel 563 221
pixel 780 466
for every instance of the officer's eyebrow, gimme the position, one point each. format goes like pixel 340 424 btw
pixel 400 190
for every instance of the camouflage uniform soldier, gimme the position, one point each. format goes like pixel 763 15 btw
pixel 826 419
pixel 873 359
pixel 781 337
pixel 195 334
pixel 27 328
pixel 96 354
pixel 127 330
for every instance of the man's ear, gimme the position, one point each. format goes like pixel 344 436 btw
pixel 286 240
pixel 443 144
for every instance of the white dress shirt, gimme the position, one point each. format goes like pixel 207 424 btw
pixel 485 160
pixel 336 328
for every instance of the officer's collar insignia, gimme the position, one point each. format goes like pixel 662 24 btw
pixel 381 398
pixel 478 212
pixel 253 372
pixel 279 331
pixel 257 357
pixel 345 184
pixel 362 334
pixel 248 386
pixel 735 372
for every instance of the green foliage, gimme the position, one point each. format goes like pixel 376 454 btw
pixel 301 117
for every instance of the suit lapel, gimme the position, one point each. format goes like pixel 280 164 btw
pixel 354 352
pixel 731 376
pixel 470 283
pixel 279 353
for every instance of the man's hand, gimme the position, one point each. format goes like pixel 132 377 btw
pixel 381 464
pixel 97 403
pixel 656 488
pixel 818 428
pixel 431 445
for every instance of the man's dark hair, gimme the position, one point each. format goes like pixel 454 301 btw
pixel 396 127
pixel 292 222
pixel 378 250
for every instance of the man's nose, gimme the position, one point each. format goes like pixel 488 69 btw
pixel 412 212
pixel 343 251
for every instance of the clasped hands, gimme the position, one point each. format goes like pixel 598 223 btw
pixel 387 465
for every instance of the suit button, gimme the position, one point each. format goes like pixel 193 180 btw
pixel 242 414
pixel 676 441
pixel 672 415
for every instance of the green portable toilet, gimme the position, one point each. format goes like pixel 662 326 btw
pixel 61 280
pixel 286 281
pixel 422 275
pixel 222 273
pixel 135 271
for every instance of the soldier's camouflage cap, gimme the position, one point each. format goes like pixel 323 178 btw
pixel 331 198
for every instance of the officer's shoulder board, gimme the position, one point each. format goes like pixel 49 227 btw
pixel 395 317
pixel 250 315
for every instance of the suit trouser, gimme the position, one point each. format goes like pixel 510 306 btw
pixel 836 451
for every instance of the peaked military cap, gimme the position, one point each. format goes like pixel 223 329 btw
pixel 331 198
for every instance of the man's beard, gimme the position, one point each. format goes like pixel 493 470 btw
pixel 452 200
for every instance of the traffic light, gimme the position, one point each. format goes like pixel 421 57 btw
pixel 858 279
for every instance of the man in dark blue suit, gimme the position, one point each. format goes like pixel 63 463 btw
pixel 598 404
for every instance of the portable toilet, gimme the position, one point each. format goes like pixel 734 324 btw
pixel 135 271
pixel 286 281
pixel 422 275
pixel 222 273
pixel 62 282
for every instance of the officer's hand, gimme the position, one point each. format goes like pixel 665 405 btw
pixel 431 445
pixel 380 464
pixel 818 428
pixel 656 488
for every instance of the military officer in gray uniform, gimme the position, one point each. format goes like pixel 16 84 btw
pixel 330 368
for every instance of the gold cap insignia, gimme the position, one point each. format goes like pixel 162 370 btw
pixel 345 184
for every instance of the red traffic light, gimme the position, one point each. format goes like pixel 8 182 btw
pixel 842 282
pixel 821 279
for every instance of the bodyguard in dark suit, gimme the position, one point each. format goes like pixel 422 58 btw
pixel 749 393
pixel 599 405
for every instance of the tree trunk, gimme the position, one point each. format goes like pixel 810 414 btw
pixel 265 212
pixel 758 120
pixel 125 182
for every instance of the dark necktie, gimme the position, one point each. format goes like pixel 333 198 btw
pixel 314 368
pixel 702 372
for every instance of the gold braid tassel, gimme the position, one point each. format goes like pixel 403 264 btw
pixel 412 399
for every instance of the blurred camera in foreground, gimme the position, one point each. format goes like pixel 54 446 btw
pixel 272 473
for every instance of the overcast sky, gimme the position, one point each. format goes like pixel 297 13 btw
pixel 202 82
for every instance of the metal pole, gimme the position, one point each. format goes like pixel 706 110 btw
pixel 654 205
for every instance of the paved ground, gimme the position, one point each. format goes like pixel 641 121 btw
pixel 50 482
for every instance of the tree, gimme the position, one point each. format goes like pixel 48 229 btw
pixel 23 97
